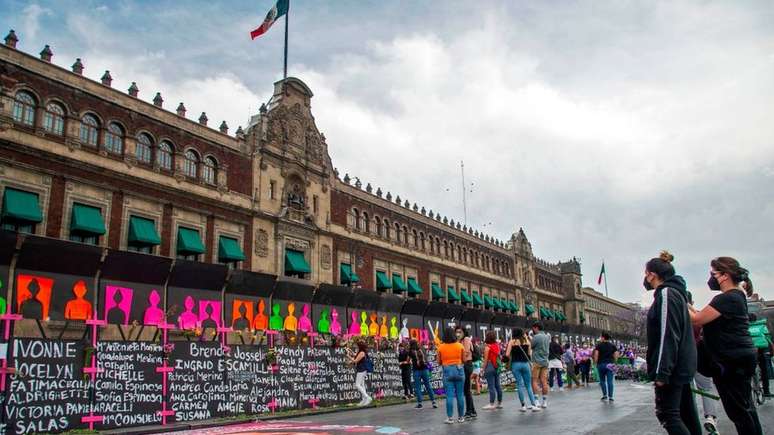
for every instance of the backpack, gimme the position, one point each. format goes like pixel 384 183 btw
pixel 475 352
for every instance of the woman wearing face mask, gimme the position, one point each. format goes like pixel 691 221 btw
pixel 727 339
pixel 671 352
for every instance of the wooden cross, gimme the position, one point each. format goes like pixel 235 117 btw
pixel 164 413
pixel 311 336
pixel 164 370
pixel 271 333
pixel 91 419
pixel 272 405
pixel 314 402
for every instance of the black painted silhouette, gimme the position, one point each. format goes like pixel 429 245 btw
pixel 116 315
pixel 32 308
pixel 209 322
pixel 241 322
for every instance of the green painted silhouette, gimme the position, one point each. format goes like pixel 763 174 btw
pixel 363 324
pixel 3 304
pixel 275 321
pixel 324 325
pixel 393 328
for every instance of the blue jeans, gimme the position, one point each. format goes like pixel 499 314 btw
pixel 493 383
pixel 422 377
pixel 605 380
pixel 523 375
pixel 453 383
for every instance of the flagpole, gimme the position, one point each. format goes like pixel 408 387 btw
pixel 606 295
pixel 285 69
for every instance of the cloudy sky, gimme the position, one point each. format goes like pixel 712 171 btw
pixel 607 130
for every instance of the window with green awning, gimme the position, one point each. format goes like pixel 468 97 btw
pixel 86 219
pixel 229 250
pixel 488 302
pixel 529 309
pixel 437 291
pixel 189 242
pixel 295 263
pixel 515 306
pixel 347 275
pixel 452 294
pixel 382 281
pixel 413 287
pixel 499 304
pixel 21 206
pixel 464 296
pixel 496 303
pixel 398 286
pixel 142 232
pixel 477 300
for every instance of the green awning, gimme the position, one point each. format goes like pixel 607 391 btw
pixel 437 291
pixel 398 286
pixel 508 305
pixel 347 276
pixel 413 287
pixel 189 242
pixel 465 296
pixel 488 302
pixel 496 303
pixel 382 282
pixel 143 232
pixel 453 296
pixel 21 205
pixel 561 316
pixel 477 300
pixel 229 250
pixel 529 309
pixel 515 307
pixel 295 262
pixel 87 220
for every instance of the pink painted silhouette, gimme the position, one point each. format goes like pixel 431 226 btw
pixel 305 323
pixel 118 303
pixel 209 314
pixel 153 314
pixel 354 326
pixel 188 319
pixel 335 325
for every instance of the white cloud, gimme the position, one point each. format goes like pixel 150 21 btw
pixel 31 19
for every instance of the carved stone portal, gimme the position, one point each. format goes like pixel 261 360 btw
pixel 297 244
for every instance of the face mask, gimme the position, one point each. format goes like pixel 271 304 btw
pixel 713 283
pixel 459 336
pixel 646 284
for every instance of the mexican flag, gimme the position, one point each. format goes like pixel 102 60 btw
pixel 279 9
pixel 601 272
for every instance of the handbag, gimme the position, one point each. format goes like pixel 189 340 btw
pixel 529 360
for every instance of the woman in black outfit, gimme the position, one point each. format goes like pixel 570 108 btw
pixel 728 342
pixel 404 361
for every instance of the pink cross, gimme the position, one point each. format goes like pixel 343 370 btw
pixel 164 413
pixel 164 370
pixel 379 394
pixel 272 405
pixel 164 328
pixel 4 371
pixel 274 367
pixel 271 333
pixel 314 402
pixel 93 370
pixel 8 318
pixel 91 419
pixel 311 336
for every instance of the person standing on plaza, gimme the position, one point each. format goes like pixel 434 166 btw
pixel 404 361
pixel 605 354
pixel 568 358
pixel 555 366
pixel 467 360
pixel 671 355
pixel 540 348
pixel 725 323
pixel 492 371
pixel 584 362
pixel 450 357
pixel 519 350
pixel 361 360
pixel 476 376
pixel 421 373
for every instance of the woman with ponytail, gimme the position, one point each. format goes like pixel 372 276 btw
pixel 671 348
pixel 727 338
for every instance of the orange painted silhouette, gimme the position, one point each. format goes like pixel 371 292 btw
pixel 33 296
pixel 78 308
pixel 383 332
pixel 241 314
pixel 373 328
pixel 261 322
pixel 291 323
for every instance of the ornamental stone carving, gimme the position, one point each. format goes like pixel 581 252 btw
pixel 297 244
pixel 262 243
pixel 326 257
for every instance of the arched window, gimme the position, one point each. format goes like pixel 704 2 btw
pixel 438 246
pixel 414 238
pixel 24 108
pixel 378 223
pixel 89 130
pixel 445 249
pixel 405 235
pixel 53 119
pixel 114 139
pixel 387 229
pixel 164 156
pixel 422 240
pixel 355 220
pixel 191 164
pixel 366 223
pixel 210 170
pixel 397 232
pixel 143 150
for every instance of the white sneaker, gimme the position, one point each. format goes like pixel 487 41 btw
pixel 711 424
pixel 367 402
pixel 544 404
pixel 552 389
pixel 499 405
pixel 489 407
pixel 461 420
pixel 535 408
pixel 523 408
pixel 449 421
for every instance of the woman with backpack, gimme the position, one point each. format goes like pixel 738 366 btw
pixel 363 365
pixel 450 357
pixel 727 340
pixel 519 350
pixel 421 373
pixel 492 371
